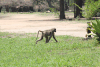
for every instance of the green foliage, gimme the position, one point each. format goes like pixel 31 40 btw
pixel 77 6
pixel 70 2
pixel 96 29
pixel 55 11
pixel 91 8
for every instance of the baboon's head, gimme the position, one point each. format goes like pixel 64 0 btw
pixel 54 29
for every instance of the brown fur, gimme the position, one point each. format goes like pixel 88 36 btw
pixel 47 33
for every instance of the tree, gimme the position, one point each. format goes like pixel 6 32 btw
pixel 62 13
pixel 0 9
pixel 77 10
pixel 49 3
pixel 7 8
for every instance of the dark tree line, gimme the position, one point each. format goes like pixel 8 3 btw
pixel 13 8
pixel 77 11
pixel 16 5
pixel 0 8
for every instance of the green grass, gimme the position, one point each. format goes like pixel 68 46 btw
pixel 21 51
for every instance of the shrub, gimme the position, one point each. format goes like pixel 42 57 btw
pixel 96 29
pixel 91 8
pixel 55 11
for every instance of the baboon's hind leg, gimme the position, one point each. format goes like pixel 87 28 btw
pixel 39 39
pixel 47 39
pixel 50 37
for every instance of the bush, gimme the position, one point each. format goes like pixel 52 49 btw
pixel 55 11
pixel 91 8
pixel 96 29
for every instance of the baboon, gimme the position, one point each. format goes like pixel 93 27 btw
pixel 47 33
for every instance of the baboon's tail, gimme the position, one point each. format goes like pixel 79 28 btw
pixel 38 33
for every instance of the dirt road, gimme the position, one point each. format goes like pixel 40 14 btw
pixel 31 23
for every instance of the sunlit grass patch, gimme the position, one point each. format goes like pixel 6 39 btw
pixel 70 51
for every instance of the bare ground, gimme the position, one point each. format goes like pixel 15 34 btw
pixel 31 23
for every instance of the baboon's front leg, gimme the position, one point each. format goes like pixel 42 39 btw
pixel 55 38
pixel 39 39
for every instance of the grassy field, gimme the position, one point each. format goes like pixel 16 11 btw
pixel 20 50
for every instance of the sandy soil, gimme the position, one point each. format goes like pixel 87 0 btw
pixel 31 23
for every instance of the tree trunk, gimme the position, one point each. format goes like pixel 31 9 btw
pixel 7 8
pixel 49 3
pixel 0 9
pixel 62 13
pixel 77 11
pixel 68 4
